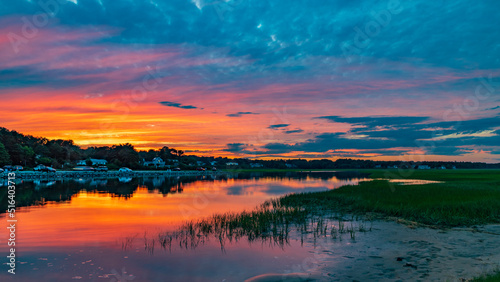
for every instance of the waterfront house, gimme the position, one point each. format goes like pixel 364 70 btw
pixel 156 162
pixel 99 162
pixel 95 162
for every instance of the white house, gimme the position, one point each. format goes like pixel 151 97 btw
pixel 424 167
pixel 231 164
pixel 156 162
pixel 94 162
pixel 99 162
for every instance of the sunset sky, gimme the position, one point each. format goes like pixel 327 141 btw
pixel 257 78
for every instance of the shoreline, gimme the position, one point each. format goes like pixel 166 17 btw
pixel 395 252
pixel 90 174
pixel 392 251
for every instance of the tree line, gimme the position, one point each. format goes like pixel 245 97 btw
pixel 29 151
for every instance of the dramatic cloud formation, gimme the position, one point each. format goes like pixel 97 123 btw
pixel 307 79
pixel 378 135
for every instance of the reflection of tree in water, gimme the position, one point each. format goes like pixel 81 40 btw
pixel 41 192
pixel 293 175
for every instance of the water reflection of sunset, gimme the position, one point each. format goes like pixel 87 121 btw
pixel 96 217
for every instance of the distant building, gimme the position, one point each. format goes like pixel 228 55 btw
pixel 213 163
pixel 256 165
pixel 231 164
pixel 94 162
pixel 156 162
pixel 99 162
pixel 442 167
pixel 424 167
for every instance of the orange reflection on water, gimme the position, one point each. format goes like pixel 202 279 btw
pixel 93 218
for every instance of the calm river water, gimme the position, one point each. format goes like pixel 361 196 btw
pixel 76 229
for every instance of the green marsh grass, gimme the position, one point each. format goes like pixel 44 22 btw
pixel 465 198
pixel 488 278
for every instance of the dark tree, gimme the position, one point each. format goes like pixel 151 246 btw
pixel 4 156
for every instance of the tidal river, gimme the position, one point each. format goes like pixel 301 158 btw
pixel 100 229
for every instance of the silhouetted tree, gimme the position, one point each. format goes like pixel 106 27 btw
pixel 180 153
pixel 4 156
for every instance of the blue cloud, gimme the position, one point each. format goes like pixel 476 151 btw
pixel 399 132
pixel 177 105
pixel 294 131
pixel 492 109
pixel 376 120
pixel 277 126
pixel 277 30
pixel 240 114
pixel 292 42
pixel 234 147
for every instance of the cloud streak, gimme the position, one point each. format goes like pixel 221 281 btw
pixel 177 105
pixel 278 126
pixel 240 114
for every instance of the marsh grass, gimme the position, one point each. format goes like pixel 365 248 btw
pixel 465 198
pixel 128 242
pixel 488 278
pixel 270 225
